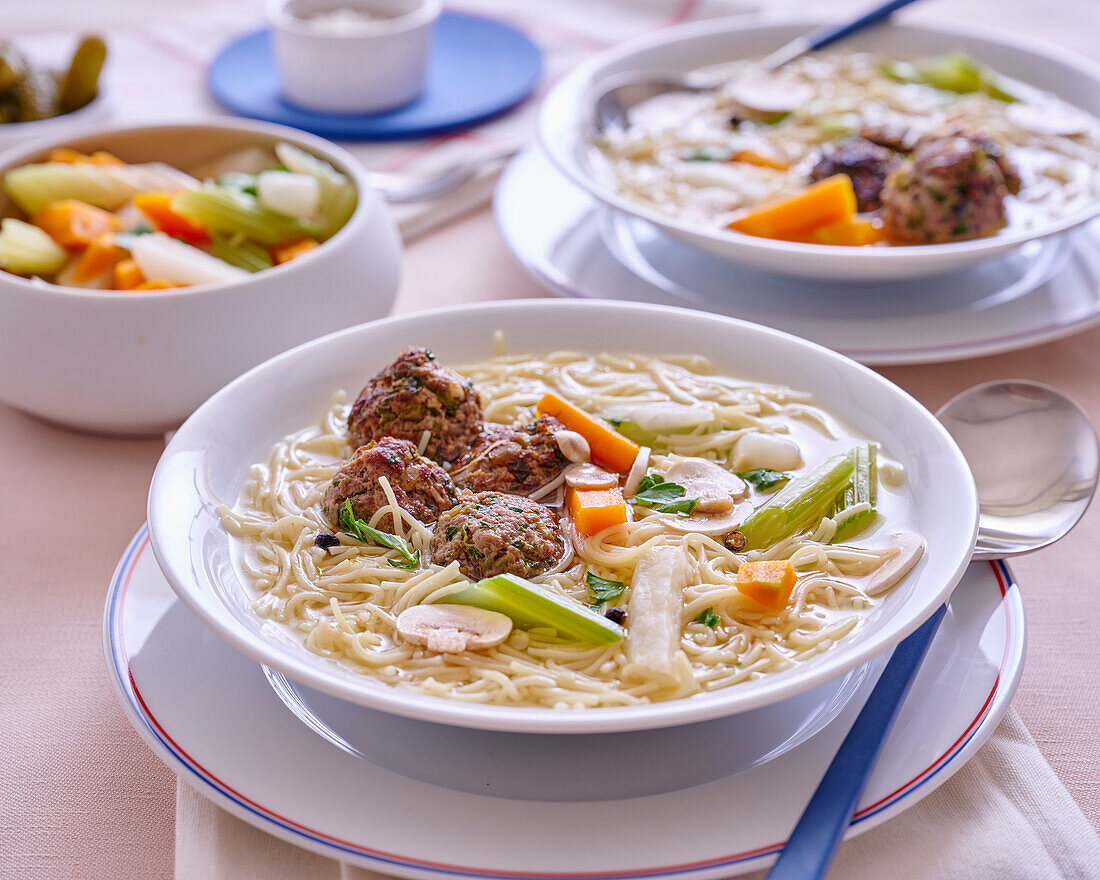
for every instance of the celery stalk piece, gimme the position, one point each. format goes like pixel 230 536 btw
pixel 245 255
pixel 27 250
pixel 799 505
pixel 233 212
pixel 863 488
pixel 530 605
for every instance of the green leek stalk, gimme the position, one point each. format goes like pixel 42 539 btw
pixel 799 505
pixel 861 489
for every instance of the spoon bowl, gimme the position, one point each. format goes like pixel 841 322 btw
pixel 1035 459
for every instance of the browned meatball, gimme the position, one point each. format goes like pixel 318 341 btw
pixel 420 486
pixel 493 533
pixel 950 189
pixel 893 137
pixel 867 164
pixel 413 395
pixel 518 458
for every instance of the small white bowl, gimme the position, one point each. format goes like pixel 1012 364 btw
pixel 364 66
pixel 140 363
pixel 208 460
pixel 564 131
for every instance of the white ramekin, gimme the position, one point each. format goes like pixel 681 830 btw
pixel 366 68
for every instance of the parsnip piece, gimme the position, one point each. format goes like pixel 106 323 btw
pixel 653 612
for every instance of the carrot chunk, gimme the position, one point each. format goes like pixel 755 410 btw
pixel 127 274
pixel 284 253
pixel 75 224
pixel 855 232
pixel 157 206
pixel 831 200
pixel 67 155
pixel 593 510
pixel 156 284
pixel 751 157
pixel 767 583
pixel 609 448
pixel 98 257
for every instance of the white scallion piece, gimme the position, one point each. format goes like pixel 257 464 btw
pixel 159 256
pixel 297 195
pixel 653 612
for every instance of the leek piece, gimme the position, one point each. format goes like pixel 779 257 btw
pixel 338 196
pixel 954 72
pixel 862 489
pixel 160 256
pixel 28 250
pixel 32 187
pixel 798 505
pixel 530 605
pixel 233 212
pixel 245 254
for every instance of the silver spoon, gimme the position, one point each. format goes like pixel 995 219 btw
pixel 1035 459
pixel 400 188
pixel 622 92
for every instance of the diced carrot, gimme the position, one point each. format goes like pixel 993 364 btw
pixel 67 155
pixel 75 224
pixel 609 448
pixel 284 253
pixel 98 257
pixel 767 583
pixel 127 274
pixel 831 200
pixel 593 510
pixel 751 157
pixel 102 157
pixel 854 232
pixel 156 284
pixel 157 206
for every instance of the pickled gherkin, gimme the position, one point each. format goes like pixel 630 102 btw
pixel 80 83
pixel 29 91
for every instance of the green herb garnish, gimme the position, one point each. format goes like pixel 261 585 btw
pixel 602 590
pixel 763 478
pixel 141 229
pixel 351 525
pixel 708 154
pixel 664 497
pixel 709 618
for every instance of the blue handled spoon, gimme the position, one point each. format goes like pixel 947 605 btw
pixel 623 92
pixel 1035 459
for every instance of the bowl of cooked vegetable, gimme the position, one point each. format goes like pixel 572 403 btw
pixel 903 151
pixel 143 267
pixel 37 100
pixel 460 534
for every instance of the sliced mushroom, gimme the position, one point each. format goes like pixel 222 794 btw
pixel 708 524
pixel 770 94
pixel 572 445
pixel 590 476
pixel 451 629
pixel 758 450
pixel 910 549
pixel 715 488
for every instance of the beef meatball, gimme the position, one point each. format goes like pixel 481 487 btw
pixel 493 533
pixel 420 486
pixel 867 164
pixel 413 395
pixel 518 459
pixel 950 189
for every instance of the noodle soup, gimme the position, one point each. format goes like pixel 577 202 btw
pixel 933 150
pixel 571 531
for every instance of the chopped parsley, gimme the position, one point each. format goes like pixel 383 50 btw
pixel 708 154
pixel 709 618
pixel 601 590
pixel 356 528
pixel 764 478
pixel 664 497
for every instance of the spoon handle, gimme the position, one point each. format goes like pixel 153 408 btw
pixel 824 36
pixel 809 850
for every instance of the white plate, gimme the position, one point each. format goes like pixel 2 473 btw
pixel 208 460
pixel 564 131
pixel 209 713
pixel 1042 291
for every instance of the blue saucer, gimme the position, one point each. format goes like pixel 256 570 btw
pixel 478 69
